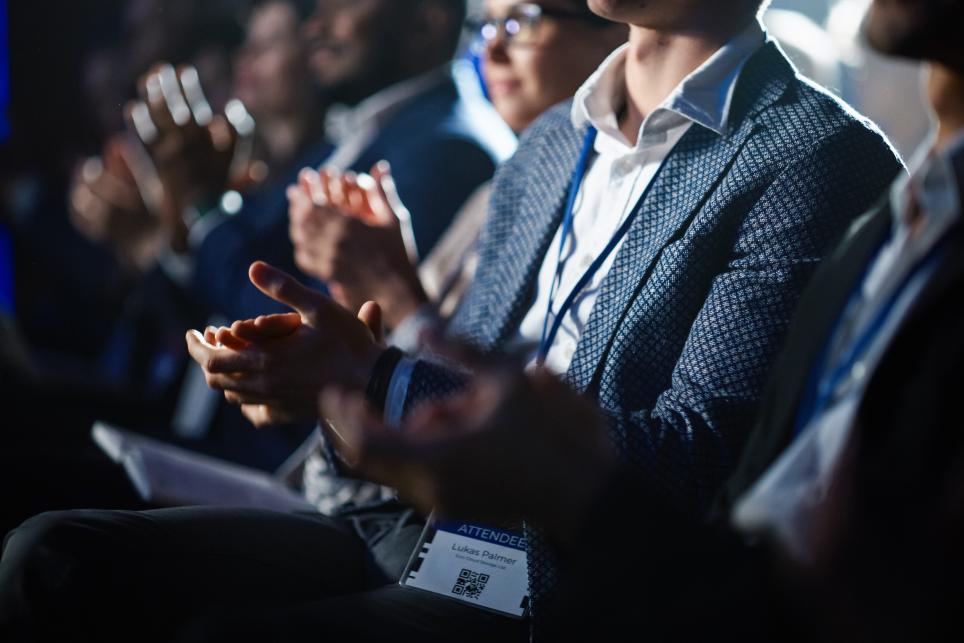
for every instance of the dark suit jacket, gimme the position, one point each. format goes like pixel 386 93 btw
pixel 699 298
pixel 441 145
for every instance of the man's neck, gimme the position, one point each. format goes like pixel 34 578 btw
pixel 945 90
pixel 656 62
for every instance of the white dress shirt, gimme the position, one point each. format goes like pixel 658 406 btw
pixel 785 501
pixel 619 172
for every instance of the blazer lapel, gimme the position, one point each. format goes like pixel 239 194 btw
pixel 540 214
pixel 686 181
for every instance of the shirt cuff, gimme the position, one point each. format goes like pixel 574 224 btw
pixel 398 391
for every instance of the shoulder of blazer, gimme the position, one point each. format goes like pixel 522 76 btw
pixel 793 114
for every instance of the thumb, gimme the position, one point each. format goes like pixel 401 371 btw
pixel 388 193
pixel 370 314
pixel 285 289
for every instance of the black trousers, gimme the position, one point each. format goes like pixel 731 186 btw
pixel 216 574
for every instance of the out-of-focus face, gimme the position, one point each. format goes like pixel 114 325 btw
pixel 271 68
pixel 926 29
pixel 527 76
pixel 353 41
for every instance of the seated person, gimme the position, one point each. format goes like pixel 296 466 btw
pixel 368 252
pixel 843 521
pixel 703 182
pixel 361 245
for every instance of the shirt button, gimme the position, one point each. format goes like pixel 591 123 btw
pixel 586 261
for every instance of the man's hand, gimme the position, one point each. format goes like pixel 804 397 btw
pixel 349 231
pixel 274 367
pixel 513 447
pixel 107 206
pixel 193 149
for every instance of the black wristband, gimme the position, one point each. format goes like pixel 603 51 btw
pixel 376 392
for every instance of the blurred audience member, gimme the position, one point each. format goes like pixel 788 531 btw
pixel 396 98
pixel 360 244
pixel 272 79
pixel 889 91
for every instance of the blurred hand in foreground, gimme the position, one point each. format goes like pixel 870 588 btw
pixel 515 446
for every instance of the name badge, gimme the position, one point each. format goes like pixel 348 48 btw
pixel 482 566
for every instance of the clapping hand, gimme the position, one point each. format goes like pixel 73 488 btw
pixel 353 232
pixel 194 150
pixel 274 367
pixel 107 204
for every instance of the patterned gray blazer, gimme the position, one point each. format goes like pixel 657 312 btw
pixel 697 303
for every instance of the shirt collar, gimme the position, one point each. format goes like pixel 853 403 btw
pixel 343 122
pixel 938 188
pixel 705 96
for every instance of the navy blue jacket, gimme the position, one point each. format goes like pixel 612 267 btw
pixel 442 145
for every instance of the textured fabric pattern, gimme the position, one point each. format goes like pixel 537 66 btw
pixel 698 301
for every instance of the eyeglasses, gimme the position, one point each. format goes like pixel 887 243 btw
pixel 522 22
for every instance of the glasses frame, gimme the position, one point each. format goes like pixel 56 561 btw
pixel 487 30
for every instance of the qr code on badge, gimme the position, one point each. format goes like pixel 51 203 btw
pixel 470 584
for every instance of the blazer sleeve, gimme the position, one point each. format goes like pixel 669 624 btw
pixel 691 437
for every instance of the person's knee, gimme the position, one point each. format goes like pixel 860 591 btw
pixel 45 556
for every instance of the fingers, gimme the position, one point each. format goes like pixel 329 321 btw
pixel 173 95
pixel 239 117
pixel 387 190
pixel 285 289
pixel 229 339
pixel 222 134
pixel 370 314
pixel 194 94
pixel 385 182
pixel 138 118
pixel 161 92
pixel 311 183
pixel 277 325
pixel 266 327
pixel 218 360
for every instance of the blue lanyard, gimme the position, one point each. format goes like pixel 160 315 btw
pixel 549 332
pixel 820 390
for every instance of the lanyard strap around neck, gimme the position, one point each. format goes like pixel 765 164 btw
pixel 549 332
